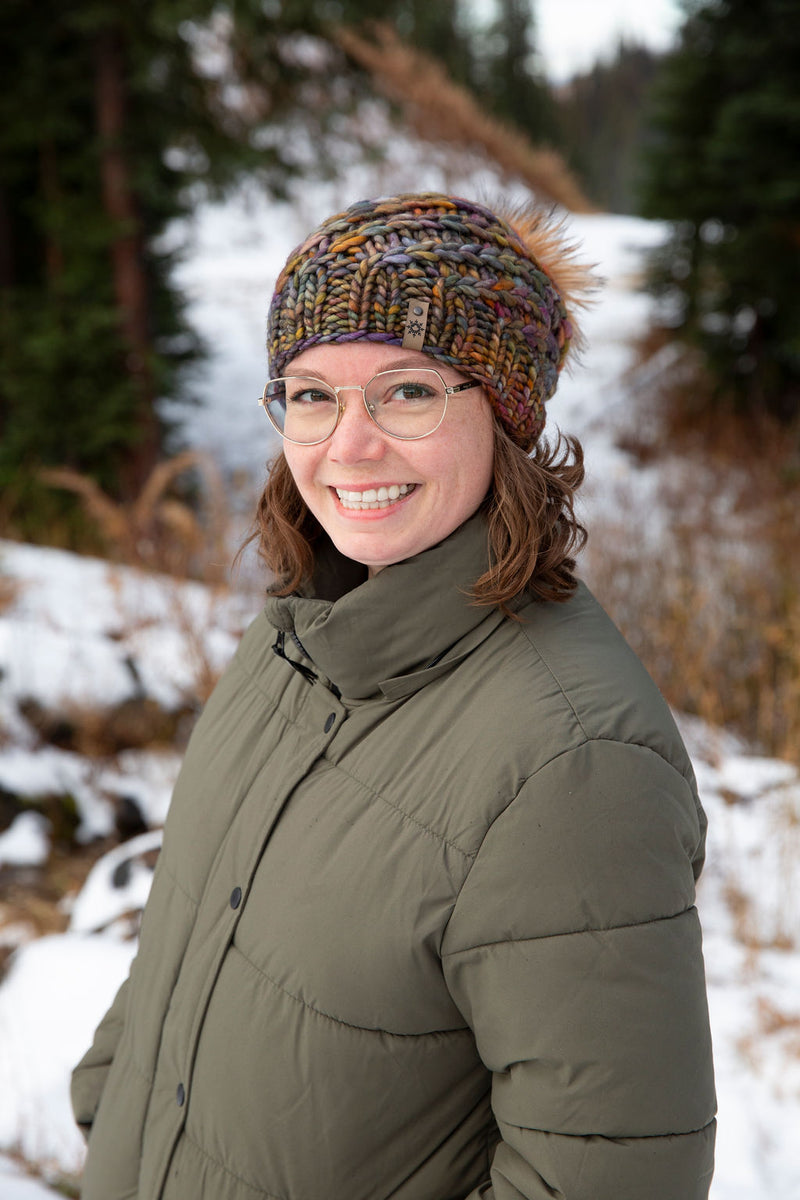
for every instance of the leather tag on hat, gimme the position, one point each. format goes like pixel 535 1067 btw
pixel 416 324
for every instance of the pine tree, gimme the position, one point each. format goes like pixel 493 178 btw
pixel 603 126
pixel 436 29
pixel 725 170
pixel 506 72
pixel 109 114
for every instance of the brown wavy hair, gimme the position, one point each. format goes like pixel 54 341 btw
pixel 530 509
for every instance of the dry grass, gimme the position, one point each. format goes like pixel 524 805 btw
pixel 774 1020
pixel 194 630
pixel 709 595
pixel 98 733
pixel 61 1183
pixel 439 109
pixel 717 624
pixel 32 899
pixel 9 590
pixel 204 671
pixel 684 410
pixel 770 1022
pixel 158 530
pixel 748 923
pixel 759 883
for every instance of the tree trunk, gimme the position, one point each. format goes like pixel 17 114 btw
pixel 130 282
pixel 6 245
pixel 51 190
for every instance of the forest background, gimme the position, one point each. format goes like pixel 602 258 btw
pixel 117 123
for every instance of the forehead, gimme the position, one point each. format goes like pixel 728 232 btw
pixel 356 359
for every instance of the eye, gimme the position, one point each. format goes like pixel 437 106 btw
pixel 307 396
pixel 408 391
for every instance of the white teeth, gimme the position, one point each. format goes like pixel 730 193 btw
pixel 380 497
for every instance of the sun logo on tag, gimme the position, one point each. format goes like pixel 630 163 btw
pixel 416 324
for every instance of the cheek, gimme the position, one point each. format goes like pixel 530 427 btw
pixel 289 455
pixel 484 464
pixel 475 455
pixel 301 465
pixel 480 481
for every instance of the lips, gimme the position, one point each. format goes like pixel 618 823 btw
pixel 380 497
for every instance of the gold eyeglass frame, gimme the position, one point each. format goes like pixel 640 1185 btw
pixel 449 390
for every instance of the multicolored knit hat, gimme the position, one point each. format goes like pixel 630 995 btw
pixel 489 294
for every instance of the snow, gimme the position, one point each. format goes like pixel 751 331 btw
pixel 25 843
pixel 16 1184
pixel 43 771
pixel 51 1000
pixel 82 633
pixel 117 884
pixel 749 902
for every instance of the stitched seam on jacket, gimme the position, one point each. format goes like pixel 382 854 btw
pixel 237 665
pixel 125 1047
pixel 590 741
pixel 612 741
pixel 338 1020
pixel 139 1069
pixel 543 937
pixel 233 1174
pixel 617 1137
pixel 276 705
pixel 526 632
pixel 531 642
pixel 273 704
pixel 439 837
pixel 165 868
pixel 528 779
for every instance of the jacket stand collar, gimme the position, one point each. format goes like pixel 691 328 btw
pixel 365 634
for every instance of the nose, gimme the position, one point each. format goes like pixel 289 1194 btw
pixel 356 437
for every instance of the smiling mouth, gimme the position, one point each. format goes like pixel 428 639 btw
pixel 380 497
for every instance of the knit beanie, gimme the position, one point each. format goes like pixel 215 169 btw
pixel 491 295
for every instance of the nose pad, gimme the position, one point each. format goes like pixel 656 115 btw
pixel 356 434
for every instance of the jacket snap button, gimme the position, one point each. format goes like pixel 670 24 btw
pixel 236 897
pixel 180 1095
pixel 329 722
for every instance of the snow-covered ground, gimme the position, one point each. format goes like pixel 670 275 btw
pixel 83 634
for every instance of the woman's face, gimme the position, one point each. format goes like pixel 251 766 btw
pixel 446 475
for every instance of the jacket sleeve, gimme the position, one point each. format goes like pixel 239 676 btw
pixel 574 953
pixel 89 1077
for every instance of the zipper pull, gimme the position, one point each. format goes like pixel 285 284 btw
pixel 301 668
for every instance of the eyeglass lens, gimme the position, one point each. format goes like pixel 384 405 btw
pixel 405 404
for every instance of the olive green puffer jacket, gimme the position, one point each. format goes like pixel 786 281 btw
pixel 423 922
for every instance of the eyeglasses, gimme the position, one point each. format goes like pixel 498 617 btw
pixel 407 404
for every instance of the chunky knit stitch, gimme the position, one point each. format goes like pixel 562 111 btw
pixel 495 314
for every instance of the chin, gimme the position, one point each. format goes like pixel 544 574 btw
pixel 373 558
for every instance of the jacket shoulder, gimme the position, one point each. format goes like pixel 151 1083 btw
pixel 594 679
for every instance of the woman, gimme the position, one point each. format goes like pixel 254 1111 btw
pixel 423 922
